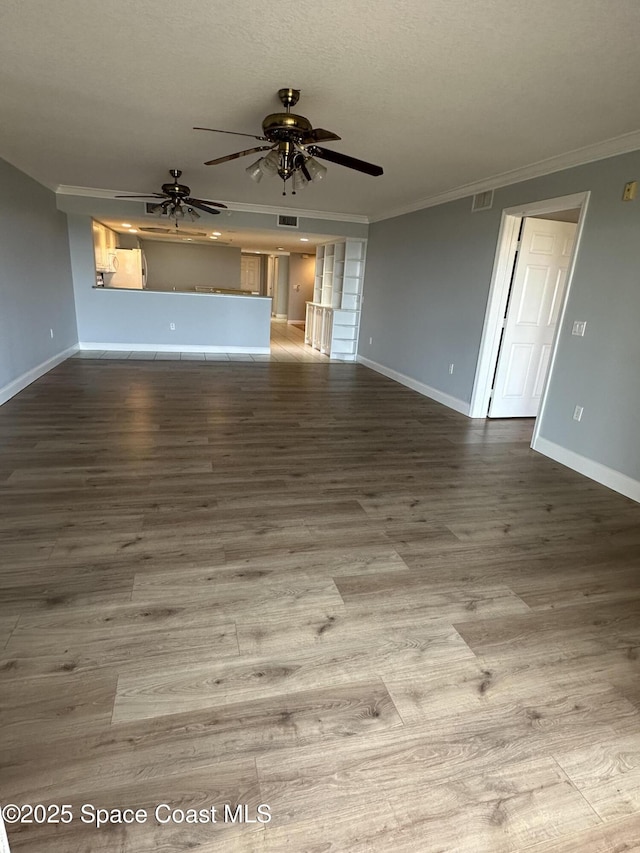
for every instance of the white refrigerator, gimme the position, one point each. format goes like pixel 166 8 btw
pixel 130 269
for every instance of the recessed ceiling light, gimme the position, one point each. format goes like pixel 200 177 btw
pixel 133 230
pixel 126 225
pixel 280 249
pixel 304 239
pixel 217 233
pixel 213 238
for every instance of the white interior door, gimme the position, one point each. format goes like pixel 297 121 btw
pixel 533 310
pixel 250 273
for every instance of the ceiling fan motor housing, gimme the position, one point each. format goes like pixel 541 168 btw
pixel 285 126
pixel 177 190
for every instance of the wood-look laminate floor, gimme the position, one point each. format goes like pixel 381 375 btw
pixel 305 586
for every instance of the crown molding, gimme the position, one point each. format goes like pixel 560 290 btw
pixel 239 207
pixel 297 211
pixel 578 157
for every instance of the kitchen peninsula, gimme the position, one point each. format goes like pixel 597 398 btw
pixel 146 295
pixel 142 320
pixel 137 320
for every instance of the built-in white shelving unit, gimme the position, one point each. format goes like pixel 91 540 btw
pixel 333 318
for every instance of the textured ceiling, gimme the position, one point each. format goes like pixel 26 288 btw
pixel 441 93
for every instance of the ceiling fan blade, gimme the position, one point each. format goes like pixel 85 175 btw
pixel 232 132
pixel 305 172
pixel 147 195
pixel 319 134
pixel 206 201
pixel 345 160
pixel 237 154
pixel 191 202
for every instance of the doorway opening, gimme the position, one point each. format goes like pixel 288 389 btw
pixel 533 268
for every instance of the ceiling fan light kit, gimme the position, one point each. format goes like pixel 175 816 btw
pixel 293 148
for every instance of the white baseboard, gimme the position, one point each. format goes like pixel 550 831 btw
pixel 280 316
pixel 609 477
pixel 296 323
pixel 101 345
pixel 12 388
pixel 426 390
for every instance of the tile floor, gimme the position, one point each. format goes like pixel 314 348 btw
pixel 287 344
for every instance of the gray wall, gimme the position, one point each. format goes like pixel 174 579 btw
pixel 127 241
pixel 301 275
pixel 184 266
pixel 142 318
pixel 36 293
pixel 426 287
pixel 281 306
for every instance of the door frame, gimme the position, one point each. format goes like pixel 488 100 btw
pixel 504 260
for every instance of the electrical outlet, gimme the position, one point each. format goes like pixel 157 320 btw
pixel 451 368
pixel 51 333
pixel 579 327
pixel 577 413
pixel 172 327
pixel 630 191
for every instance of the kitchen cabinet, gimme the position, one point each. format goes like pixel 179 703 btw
pixel 104 246
pixel 333 318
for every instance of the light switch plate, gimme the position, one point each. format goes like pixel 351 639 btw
pixel 579 327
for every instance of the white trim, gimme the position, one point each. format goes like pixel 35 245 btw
pixel 548 205
pixel 238 206
pixel 554 349
pixel 16 385
pixel 499 293
pixel 4 841
pixel 426 390
pixel 496 304
pixel 589 468
pixel 119 347
pixel 578 157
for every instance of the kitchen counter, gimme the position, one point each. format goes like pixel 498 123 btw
pixel 198 291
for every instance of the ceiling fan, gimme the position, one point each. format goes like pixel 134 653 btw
pixel 293 148
pixel 165 230
pixel 177 202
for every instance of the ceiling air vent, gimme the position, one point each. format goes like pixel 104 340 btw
pixel 285 221
pixel 482 201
